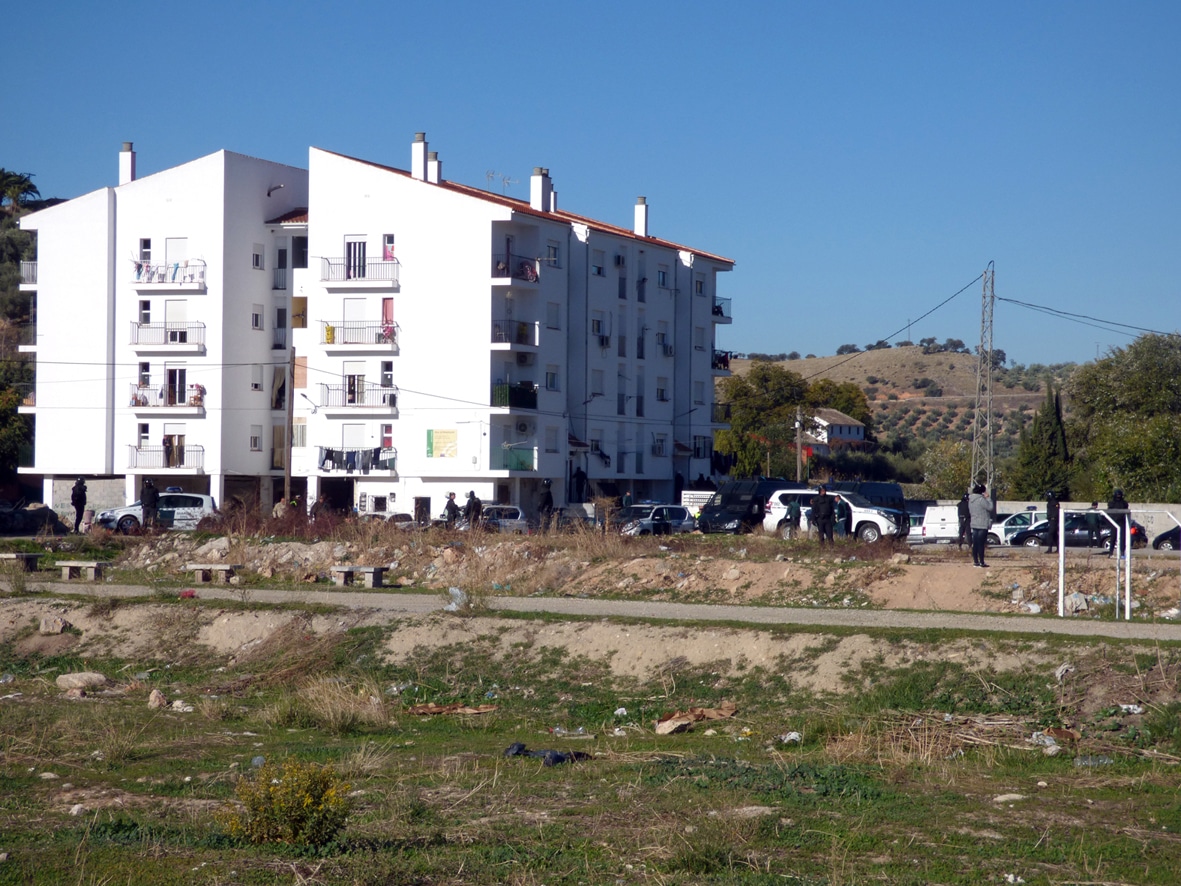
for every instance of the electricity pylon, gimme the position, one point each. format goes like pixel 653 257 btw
pixel 982 471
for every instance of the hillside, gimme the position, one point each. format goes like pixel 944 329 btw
pixel 931 396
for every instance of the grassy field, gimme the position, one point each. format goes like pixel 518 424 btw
pixel 924 773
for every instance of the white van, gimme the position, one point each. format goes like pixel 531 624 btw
pixel 941 523
pixel 1002 530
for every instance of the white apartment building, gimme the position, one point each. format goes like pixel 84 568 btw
pixel 161 315
pixel 445 338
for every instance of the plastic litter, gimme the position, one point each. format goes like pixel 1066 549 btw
pixel 621 712
pixel 1062 671
pixel 7 678
pixel 1131 709
pixel 548 757
pixel 1093 760
pixel 1031 608
pixel 258 762
pixel 1040 738
pixel 458 600
pixel 791 737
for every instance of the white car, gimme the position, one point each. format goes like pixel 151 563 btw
pixel 176 510
pixel 505 518
pixel 1001 531
pixel 870 522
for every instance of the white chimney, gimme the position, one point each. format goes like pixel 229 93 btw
pixel 126 164
pixel 434 167
pixel 641 217
pixel 418 157
pixel 541 190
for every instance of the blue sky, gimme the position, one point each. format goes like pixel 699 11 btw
pixel 861 161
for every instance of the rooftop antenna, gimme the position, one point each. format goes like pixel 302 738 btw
pixel 505 181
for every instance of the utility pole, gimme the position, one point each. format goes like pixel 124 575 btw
pixel 982 469
pixel 799 445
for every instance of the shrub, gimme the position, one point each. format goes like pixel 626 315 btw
pixel 300 803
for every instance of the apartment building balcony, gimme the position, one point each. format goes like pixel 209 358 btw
pixel 24 336
pixel 349 273
pixel 177 276
pixel 721 310
pixel 356 397
pixel 168 338
pixel 28 395
pixel 172 396
pixel 180 459
pixel 359 336
pixel 720 362
pixel 509 332
pixel 720 413
pixel 28 276
pixel 512 458
pixel 382 461
pixel 522 395
pixel 514 270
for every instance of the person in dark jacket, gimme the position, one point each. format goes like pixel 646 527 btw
pixel 1093 524
pixel 1052 510
pixel 472 510
pixel 823 513
pixel 149 500
pixel 965 518
pixel 78 500
pixel 546 508
pixel 1118 510
pixel 451 511
pixel 844 516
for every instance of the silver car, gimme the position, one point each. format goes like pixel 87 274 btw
pixel 176 510
pixel 654 519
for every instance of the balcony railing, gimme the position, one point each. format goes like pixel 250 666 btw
pixel 519 267
pixel 150 394
pixel 340 270
pixel 522 395
pixel 191 271
pixel 180 456
pixel 358 394
pixel 28 272
pixel 516 332
pixel 27 391
pixel 503 458
pixel 358 332
pixel 721 361
pixel 278 338
pixel 720 413
pixel 721 308
pixel 280 279
pixel 167 333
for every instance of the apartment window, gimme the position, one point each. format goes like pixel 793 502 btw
pixel 256 317
pixel 596 382
pixel 551 439
pixel 278 447
pixel 387 373
pixel 256 438
pixel 642 289
pixel 662 277
pixel 703 447
pixel 597 261
pixel 699 338
pixel 144 434
pixel 256 260
pixel 553 315
pixel 597 323
pixel 662 389
pixel 299 433
pixel 551 378
pixel 145 249
pixel 145 312
pixel 699 285
pixel 623 286
pixel 640 338
pixel 256 377
pixel 596 440
pixel 553 254
pixel 145 375
pixel 698 393
pixel 387 247
pixel 639 460
pixel 280 280
pixel 299 252
pixel 619 457
pixel 659 444
pixel 387 436
pixel 622 345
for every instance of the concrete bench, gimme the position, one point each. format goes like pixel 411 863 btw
pixel 28 561
pixel 371 575
pixel 92 570
pixel 205 572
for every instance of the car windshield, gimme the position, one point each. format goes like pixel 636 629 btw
pixel 856 500
pixel 635 512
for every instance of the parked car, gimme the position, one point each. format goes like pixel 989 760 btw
pixel 870 522
pixel 1076 534
pixel 941 523
pixel 654 519
pixel 176 510
pixel 738 506
pixel 884 495
pixel 1169 540
pixel 397 520
pixel 504 518
pixel 1005 526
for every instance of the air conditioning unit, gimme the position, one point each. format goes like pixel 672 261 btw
pixel 524 427
pixel 524 359
pixel 620 261
pixel 668 350
pixel 604 341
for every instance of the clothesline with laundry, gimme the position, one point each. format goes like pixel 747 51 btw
pixel 380 458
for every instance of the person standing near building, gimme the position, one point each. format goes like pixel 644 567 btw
pixel 472 510
pixel 793 517
pixel 149 500
pixel 546 508
pixel 823 511
pixel 451 510
pixel 78 500
pixel 167 444
pixel 980 515
pixel 627 499
pixel 1118 510
pixel 1052 510
pixel 965 518
pixel 1093 524
pixel 842 516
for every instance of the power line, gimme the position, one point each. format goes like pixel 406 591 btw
pixel 1097 322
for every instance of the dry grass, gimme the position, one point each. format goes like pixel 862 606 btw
pixel 343 707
